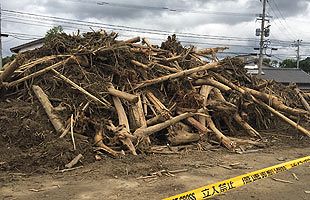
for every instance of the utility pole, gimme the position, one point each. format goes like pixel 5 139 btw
pixel 262 34
pixel 1 35
pixel 297 44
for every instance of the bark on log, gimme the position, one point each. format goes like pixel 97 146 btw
pixel 138 114
pixel 178 75
pixel 183 137
pixel 145 106
pixel 143 132
pixel 212 82
pixel 200 127
pixel 273 101
pixel 302 99
pixel 171 69
pixel 149 45
pixel 123 121
pixel 204 91
pixel 155 120
pixel 174 58
pixel 74 161
pixel 8 71
pixel 138 120
pixel 161 108
pixel 165 113
pixel 122 117
pixel 53 117
pixel 103 102
pixel 223 106
pixel 210 51
pixel 247 127
pixel 220 136
pixel 133 40
pixel 137 63
pixel 123 95
pixel 125 137
pixel 98 142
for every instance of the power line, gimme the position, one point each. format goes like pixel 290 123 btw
pixel 146 30
pixel 285 21
pixel 126 28
pixel 37 23
pixel 281 19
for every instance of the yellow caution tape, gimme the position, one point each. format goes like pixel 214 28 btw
pixel 230 184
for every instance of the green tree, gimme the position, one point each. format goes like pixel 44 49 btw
pixel 288 63
pixel 267 61
pixel 8 59
pixel 274 63
pixel 50 34
pixel 305 65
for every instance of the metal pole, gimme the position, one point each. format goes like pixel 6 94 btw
pixel 261 45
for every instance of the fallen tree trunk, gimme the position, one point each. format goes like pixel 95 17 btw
pixel 204 91
pixel 138 116
pixel 49 109
pixel 143 132
pixel 264 105
pixel 178 128
pixel 123 121
pixel 161 108
pixel 212 82
pixel 8 71
pixel 183 137
pixel 200 127
pixel 220 136
pixel 178 75
pixel 123 95
pixel 133 40
pixel 247 127
pixel 122 117
pixel 303 100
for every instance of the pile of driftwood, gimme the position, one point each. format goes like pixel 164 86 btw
pixel 131 96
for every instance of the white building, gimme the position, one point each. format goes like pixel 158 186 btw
pixel 28 46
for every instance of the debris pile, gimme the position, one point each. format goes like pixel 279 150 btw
pixel 131 97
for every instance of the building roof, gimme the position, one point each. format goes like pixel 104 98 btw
pixel 286 75
pixel 26 45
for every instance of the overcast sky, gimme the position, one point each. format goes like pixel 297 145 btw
pixel 215 18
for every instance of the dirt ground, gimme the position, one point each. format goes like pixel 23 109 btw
pixel 119 178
